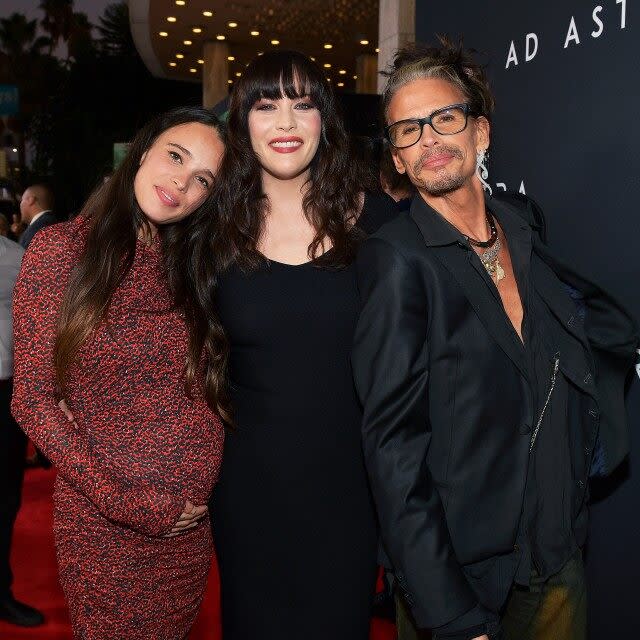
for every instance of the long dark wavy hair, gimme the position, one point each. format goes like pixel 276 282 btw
pixel 332 201
pixel 114 221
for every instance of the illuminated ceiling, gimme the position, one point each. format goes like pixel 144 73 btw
pixel 350 27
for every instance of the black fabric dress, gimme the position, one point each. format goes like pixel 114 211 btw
pixel 292 515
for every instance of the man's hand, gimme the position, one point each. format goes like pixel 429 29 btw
pixel 484 637
pixel 189 519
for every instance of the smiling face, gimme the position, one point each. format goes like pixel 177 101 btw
pixel 285 134
pixel 437 164
pixel 176 173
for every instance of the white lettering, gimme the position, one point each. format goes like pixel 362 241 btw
pixel 512 57
pixel 531 38
pixel 501 185
pixel 598 32
pixel 521 189
pixel 623 16
pixel 572 34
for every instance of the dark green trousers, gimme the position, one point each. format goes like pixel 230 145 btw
pixel 552 609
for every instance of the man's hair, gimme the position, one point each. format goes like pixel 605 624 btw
pixel 43 193
pixel 448 61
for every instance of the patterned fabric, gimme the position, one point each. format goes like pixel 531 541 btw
pixel 138 449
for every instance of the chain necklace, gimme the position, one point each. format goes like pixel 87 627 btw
pixel 489 258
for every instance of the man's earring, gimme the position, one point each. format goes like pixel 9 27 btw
pixel 482 171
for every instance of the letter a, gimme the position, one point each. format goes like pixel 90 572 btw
pixel 572 34
pixel 512 57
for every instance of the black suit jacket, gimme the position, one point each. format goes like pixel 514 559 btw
pixel 43 221
pixel 447 409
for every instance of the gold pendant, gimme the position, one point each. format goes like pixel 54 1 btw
pixel 499 272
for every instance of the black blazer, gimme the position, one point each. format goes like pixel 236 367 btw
pixel 447 408
pixel 43 221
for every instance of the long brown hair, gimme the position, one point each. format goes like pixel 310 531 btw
pixel 333 200
pixel 114 221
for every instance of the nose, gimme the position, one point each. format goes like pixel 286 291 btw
pixel 286 119
pixel 181 180
pixel 428 137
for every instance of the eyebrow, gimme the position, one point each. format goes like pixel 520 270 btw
pixel 188 153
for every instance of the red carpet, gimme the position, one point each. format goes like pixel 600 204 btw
pixel 36 580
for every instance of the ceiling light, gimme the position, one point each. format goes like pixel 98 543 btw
pixel 274 42
pixel 188 42
pixel 233 25
pixel 341 84
pixel 328 46
pixel 207 14
pixel 220 37
pixel 179 56
pixel 171 19
pixel 377 50
pixel 180 3
pixel 238 74
pixel 312 59
pixel 327 65
pixel 192 70
pixel 342 72
pixel 197 29
pixel 255 33
pixel 172 64
pixel 364 42
pixel 163 34
pixel 230 58
pixel 229 81
pixel 355 77
pixel 328 79
pixel 201 61
pixel 260 53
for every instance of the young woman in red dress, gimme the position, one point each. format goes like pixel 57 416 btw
pixel 109 317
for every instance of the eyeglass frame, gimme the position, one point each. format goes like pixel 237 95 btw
pixel 428 120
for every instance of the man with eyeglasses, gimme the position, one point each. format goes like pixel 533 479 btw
pixel 491 376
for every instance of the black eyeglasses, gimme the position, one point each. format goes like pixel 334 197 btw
pixel 445 121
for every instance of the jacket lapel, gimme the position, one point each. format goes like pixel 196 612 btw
pixel 451 249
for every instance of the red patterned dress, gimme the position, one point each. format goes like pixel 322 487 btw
pixel 139 447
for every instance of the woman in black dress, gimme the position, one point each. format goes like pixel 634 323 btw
pixel 294 524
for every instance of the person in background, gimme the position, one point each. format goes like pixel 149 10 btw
pixel 13 442
pixel 492 378
pixel 109 316
pixel 293 521
pixel 36 211
pixel 5 227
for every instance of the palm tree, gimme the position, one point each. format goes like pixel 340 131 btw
pixel 57 21
pixel 18 37
pixel 80 41
pixel 115 32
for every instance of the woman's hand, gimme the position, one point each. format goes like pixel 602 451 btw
pixel 65 409
pixel 189 519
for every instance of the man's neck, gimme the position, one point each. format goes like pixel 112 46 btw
pixel 464 208
pixel 38 215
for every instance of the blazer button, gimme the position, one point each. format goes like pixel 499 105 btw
pixel 587 451
pixel 524 428
pixel 581 483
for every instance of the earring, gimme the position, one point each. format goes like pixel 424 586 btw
pixel 482 171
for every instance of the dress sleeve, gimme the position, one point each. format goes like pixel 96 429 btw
pixel 38 294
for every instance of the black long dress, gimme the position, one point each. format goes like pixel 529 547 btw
pixel 292 516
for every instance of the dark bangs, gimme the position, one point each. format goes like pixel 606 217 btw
pixel 280 74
